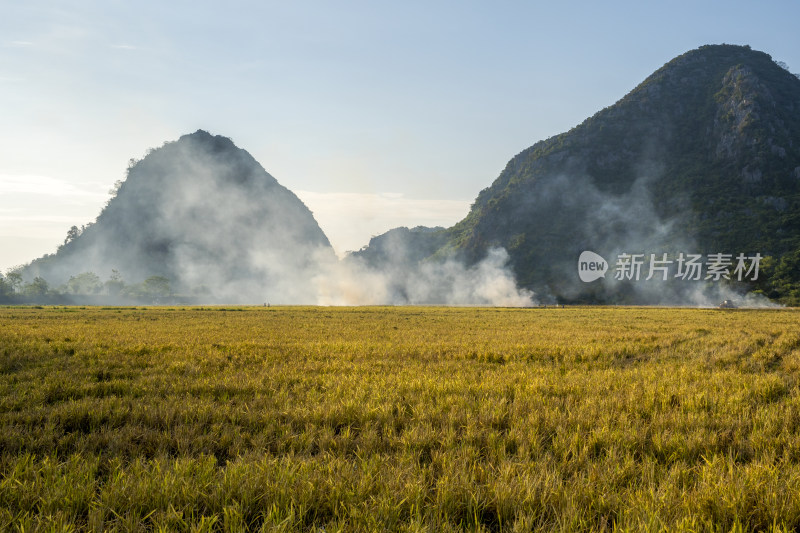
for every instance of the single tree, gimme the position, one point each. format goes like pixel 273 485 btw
pixel 115 284
pixel 38 287
pixel 5 287
pixel 73 233
pixel 156 286
pixel 14 278
pixel 84 283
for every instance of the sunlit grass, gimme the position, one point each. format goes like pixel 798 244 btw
pixel 400 419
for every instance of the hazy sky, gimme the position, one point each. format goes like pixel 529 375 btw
pixel 376 114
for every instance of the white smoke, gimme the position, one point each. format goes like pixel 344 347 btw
pixel 449 282
pixel 206 216
pixel 629 223
pixel 188 215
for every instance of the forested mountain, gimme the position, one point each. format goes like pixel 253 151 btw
pixel 702 157
pixel 204 215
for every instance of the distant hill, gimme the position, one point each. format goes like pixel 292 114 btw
pixel 702 157
pixel 400 247
pixel 206 216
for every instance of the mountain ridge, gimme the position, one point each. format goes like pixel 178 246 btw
pixel 204 214
pixel 703 154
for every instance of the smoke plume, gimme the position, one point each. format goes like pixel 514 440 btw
pixel 205 223
pixel 447 282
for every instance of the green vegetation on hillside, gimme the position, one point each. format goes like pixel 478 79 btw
pixel 702 157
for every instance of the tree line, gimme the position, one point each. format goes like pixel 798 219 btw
pixel 15 289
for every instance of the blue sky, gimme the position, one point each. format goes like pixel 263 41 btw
pixel 376 114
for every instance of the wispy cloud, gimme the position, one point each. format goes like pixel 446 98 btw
pixel 47 186
pixel 39 209
pixel 20 44
pixel 36 211
pixel 21 216
pixel 124 47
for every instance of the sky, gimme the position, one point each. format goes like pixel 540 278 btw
pixel 376 114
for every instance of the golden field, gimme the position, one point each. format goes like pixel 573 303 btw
pixel 399 419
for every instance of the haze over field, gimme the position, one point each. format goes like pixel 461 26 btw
pixel 376 116
pixel 201 218
pixel 698 167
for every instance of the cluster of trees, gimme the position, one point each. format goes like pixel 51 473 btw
pixel 779 279
pixel 785 67
pixel 14 288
